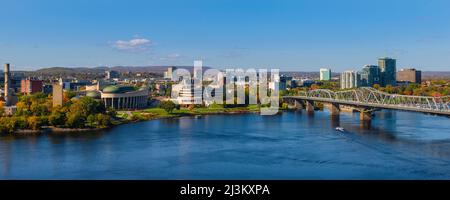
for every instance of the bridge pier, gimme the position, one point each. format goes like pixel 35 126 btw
pixel 365 124
pixel 365 115
pixel 333 108
pixel 309 106
pixel 298 104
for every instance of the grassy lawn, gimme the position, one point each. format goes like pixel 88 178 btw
pixel 153 113
pixel 122 115
pixel 157 111
pixel 208 110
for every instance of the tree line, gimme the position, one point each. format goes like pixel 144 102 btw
pixel 37 111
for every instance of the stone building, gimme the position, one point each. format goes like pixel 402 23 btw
pixel 124 97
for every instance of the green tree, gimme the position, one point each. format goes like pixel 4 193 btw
pixel 390 89
pixel 91 121
pixel 376 86
pixel 57 118
pixel 80 110
pixel 169 106
pixel 34 122
pixel 23 109
pixel 7 125
pixel 284 106
pixel 69 95
pixel 39 108
pixel 20 122
pixel 103 120
pixel 75 120
pixel 111 112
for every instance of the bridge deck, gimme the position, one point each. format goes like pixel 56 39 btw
pixel 372 105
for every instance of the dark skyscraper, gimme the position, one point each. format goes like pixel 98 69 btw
pixel 111 74
pixel 370 75
pixel 388 67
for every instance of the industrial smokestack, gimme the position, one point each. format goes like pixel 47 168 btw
pixel 7 68
pixel 7 86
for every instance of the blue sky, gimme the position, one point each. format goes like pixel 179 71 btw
pixel 300 35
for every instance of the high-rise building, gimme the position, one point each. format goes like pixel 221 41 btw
pixel 370 75
pixel 388 68
pixel 350 79
pixel 197 81
pixel 58 95
pixel 111 74
pixel 198 69
pixel 325 74
pixel 285 82
pixel 169 74
pixel 30 86
pixel 409 76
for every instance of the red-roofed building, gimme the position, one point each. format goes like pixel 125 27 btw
pixel 29 86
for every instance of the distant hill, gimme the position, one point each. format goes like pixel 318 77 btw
pixel 159 70
pixel 306 74
pixel 149 69
pixel 121 69
pixel 425 74
pixel 67 70
pixel 435 74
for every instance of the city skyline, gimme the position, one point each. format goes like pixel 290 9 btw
pixel 290 35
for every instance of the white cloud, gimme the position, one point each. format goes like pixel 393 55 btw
pixel 133 45
pixel 171 57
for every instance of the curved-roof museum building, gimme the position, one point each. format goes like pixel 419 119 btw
pixel 123 97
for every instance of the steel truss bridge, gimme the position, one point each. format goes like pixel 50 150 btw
pixel 371 98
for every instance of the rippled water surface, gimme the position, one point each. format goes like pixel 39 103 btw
pixel 292 145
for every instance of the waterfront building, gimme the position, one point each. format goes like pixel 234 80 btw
pixel 124 97
pixel 388 68
pixel 409 76
pixel 185 93
pixel 325 74
pixel 31 86
pixel 350 79
pixel 370 75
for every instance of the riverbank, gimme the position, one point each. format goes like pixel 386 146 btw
pixel 126 117
pixel 56 130
pixel 249 145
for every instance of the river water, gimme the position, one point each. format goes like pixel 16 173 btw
pixel 292 145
